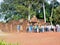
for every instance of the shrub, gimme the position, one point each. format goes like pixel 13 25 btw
pixel 5 43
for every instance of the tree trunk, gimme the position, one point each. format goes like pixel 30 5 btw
pixel 51 15
pixel 52 11
pixel 29 17
pixel 29 13
pixel 44 12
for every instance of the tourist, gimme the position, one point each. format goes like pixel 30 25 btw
pixel 58 28
pixel 34 28
pixel 42 28
pixel 46 28
pixel 37 27
pixel 49 27
pixel 18 28
pixel 27 28
pixel 52 28
pixel 30 28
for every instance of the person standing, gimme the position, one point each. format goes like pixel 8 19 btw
pixel 30 28
pixel 58 28
pixel 18 28
pixel 37 28
pixel 42 28
pixel 27 28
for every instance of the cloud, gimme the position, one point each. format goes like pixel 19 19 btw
pixel 58 0
pixel 1 0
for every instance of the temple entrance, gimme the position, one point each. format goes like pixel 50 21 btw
pixel 34 20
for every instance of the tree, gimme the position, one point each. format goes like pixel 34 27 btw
pixel 43 4
pixel 25 8
pixel 53 5
pixel 11 8
pixel 33 5
pixel 17 9
pixel 56 16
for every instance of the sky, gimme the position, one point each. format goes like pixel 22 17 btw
pixel 58 0
pixel 2 0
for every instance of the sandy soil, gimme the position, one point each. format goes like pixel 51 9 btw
pixel 46 38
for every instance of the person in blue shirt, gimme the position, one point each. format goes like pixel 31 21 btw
pixel 30 28
pixel 18 28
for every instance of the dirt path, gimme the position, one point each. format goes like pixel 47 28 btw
pixel 46 38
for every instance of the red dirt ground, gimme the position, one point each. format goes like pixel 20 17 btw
pixel 46 38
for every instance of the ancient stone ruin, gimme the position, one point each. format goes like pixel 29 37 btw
pixel 11 26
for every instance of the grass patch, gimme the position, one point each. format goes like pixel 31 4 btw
pixel 5 43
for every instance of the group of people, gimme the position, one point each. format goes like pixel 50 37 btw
pixel 42 28
pixel 39 28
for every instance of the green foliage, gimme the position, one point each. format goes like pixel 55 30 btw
pixel 50 19
pixel 56 15
pixel 5 43
pixel 20 7
pixel 17 9
pixel 16 17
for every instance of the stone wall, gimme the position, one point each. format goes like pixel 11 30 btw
pixel 12 25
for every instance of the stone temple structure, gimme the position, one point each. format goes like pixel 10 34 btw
pixel 11 25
